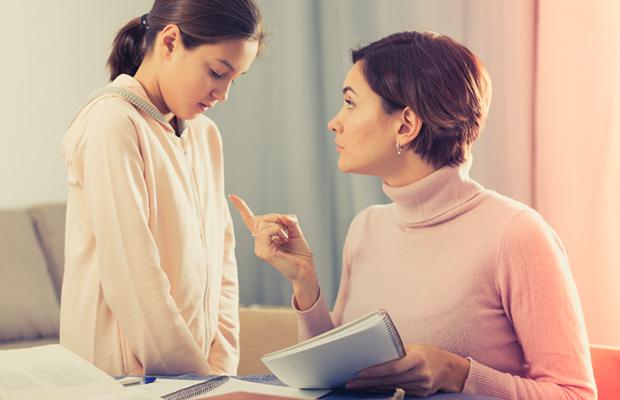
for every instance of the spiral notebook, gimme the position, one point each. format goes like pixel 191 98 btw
pixel 327 361
pixel 228 387
pixel 197 389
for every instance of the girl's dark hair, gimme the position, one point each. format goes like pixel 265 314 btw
pixel 444 84
pixel 200 22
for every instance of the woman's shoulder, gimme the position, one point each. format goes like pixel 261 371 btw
pixel 371 215
pixel 521 224
pixel 501 209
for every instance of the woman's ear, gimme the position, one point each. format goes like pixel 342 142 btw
pixel 409 126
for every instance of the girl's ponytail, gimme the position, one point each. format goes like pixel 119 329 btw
pixel 128 48
pixel 200 22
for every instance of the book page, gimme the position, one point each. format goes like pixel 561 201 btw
pixel 365 322
pixel 51 372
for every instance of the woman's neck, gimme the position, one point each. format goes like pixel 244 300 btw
pixel 408 169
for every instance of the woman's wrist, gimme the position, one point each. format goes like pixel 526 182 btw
pixel 306 289
pixel 457 370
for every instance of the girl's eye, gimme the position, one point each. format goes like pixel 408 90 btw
pixel 349 104
pixel 215 74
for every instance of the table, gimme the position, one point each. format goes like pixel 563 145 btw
pixel 343 394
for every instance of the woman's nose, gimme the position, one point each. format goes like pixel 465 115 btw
pixel 333 125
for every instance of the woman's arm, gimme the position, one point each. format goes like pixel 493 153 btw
pixel 541 299
pixel 135 288
pixel 279 241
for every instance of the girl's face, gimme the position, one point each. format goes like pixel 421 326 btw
pixel 365 133
pixel 192 81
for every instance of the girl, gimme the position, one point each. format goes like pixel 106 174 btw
pixel 478 285
pixel 150 284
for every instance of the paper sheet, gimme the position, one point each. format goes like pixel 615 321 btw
pixel 51 372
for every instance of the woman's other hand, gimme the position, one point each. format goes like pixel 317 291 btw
pixel 423 371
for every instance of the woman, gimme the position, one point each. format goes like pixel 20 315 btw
pixel 478 285
pixel 150 282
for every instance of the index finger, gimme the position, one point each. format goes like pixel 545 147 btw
pixel 244 210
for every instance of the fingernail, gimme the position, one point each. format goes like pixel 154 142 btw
pixel 363 374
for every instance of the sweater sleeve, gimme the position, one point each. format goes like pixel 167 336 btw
pixel 317 319
pixel 224 352
pixel 540 299
pixel 134 286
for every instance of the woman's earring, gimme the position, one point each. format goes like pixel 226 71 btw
pixel 398 148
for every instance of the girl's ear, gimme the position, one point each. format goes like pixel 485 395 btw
pixel 170 39
pixel 409 126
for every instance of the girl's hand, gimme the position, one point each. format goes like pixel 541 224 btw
pixel 422 372
pixel 280 242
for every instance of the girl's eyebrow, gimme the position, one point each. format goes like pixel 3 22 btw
pixel 227 64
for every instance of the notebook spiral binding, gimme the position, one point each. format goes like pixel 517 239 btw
pixel 398 342
pixel 197 389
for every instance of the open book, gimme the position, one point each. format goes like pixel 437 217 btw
pixel 54 372
pixel 51 372
pixel 327 361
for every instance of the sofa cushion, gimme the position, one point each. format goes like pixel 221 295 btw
pixel 49 224
pixel 263 330
pixel 28 305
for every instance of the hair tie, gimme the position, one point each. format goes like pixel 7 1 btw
pixel 144 22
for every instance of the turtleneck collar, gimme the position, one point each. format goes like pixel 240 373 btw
pixel 435 198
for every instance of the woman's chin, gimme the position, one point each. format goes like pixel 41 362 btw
pixel 344 166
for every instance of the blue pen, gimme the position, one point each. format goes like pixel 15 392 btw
pixel 136 380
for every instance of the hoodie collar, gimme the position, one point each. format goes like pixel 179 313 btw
pixel 437 197
pixel 130 89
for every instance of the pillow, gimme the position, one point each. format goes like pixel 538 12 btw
pixel 49 224
pixel 28 305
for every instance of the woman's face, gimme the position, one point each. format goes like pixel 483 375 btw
pixel 192 81
pixel 365 133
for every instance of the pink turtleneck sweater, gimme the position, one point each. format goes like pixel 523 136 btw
pixel 472 272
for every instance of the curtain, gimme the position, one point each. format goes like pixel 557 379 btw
pixel 577 149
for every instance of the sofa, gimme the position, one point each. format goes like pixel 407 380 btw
pixel 31 268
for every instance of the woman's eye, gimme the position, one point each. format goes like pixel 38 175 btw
pixel 215 74
pixel 349 104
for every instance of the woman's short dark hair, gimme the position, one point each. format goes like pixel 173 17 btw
pixel 444 84
pixel 200 21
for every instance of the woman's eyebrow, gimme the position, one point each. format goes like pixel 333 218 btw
pixel 348 89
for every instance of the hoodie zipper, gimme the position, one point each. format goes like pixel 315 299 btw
pixel 200 213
